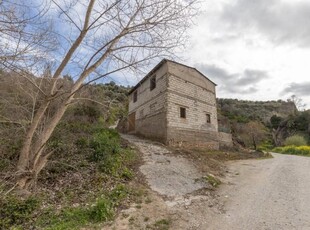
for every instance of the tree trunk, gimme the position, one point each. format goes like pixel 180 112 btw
pixel 34 160
pixel 23 161
pixel 254 142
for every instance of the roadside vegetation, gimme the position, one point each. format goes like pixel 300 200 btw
pixel 293 150
pixel 89 177
pixel 84 187
pixel 265 125
pixel 294 145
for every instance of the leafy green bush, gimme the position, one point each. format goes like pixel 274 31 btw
pixel 105 144
pixel 103 210
pixel 116 165
pixel 15 212
pixel 107 152
pixel 295 140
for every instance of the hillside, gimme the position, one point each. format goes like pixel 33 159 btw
pixel 244 110
pixel 262 123
pixel 93 173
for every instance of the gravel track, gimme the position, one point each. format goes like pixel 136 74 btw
pixel 266 194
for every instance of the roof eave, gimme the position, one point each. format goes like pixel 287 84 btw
pixel 146 76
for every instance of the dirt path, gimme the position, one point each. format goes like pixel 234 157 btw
pixel 255 194
pixel 266 194
pixel 178 198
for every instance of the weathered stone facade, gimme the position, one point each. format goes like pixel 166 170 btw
pixel 176 104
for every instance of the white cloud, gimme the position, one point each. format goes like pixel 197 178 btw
pixel 267 36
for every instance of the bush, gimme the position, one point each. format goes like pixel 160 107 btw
pixel 103 210
pixel 111 158
pixel 294 150
pixel 104 144
pixel 116 165
pixel 295 140
pixel 16 212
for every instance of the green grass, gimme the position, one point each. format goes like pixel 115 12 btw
pixel 105 166
pixel 102 210
pixel 293 150
pixel 15 212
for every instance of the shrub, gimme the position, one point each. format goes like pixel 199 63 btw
pixel 103 210
pixel 295 140
pixel 104 144
pixel 15 212
pixel 294 150
pixel 116 165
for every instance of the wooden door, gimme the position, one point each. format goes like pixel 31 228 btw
pixel 132 122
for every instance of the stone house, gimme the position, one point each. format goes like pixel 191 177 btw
pixel 176 104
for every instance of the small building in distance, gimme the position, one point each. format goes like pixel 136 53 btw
pixel 176 104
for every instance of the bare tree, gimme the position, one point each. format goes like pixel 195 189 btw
pixel 105 37
pixel 25 37
pixel 300 106
pixel 252 133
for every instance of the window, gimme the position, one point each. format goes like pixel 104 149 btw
pixel 182 112
pixel 153 82
pixel 135 96
pixel 208 118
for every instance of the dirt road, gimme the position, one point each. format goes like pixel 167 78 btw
pixel 266 194
pixel 269 194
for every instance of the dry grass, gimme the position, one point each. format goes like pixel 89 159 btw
pixel 213 161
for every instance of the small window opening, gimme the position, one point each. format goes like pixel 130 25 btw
pixel 153 82
pixel 208 117
pixel 135 96
pixel 182 112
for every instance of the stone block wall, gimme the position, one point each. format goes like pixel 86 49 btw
pixel 145 95
pixel 192 138
pixel 157 111
pixel 153 126
pixel 150 107
pixel 198 103
pixel 191 75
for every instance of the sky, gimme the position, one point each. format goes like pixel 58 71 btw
pixel 253 50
